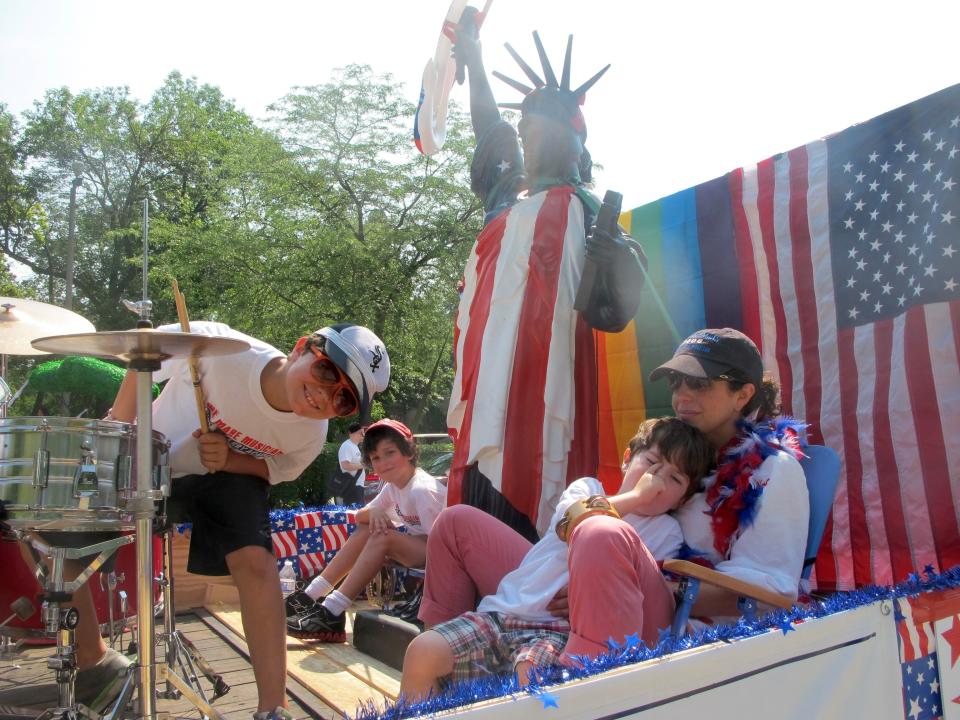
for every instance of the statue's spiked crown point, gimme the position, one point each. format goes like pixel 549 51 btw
pixel 548 96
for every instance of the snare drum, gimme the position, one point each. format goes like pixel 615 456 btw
pixel 18 580
pixel 73 474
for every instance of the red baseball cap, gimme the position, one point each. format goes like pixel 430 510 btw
pixel 395 425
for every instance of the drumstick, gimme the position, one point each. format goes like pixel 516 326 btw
pixel 192 360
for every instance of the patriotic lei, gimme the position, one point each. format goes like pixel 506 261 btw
pixel 734 499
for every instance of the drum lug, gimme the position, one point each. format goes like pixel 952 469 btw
pixel 85 481
pixel 161 479
pixel 41 468
pixel 124 470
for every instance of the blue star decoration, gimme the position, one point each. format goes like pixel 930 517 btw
pixel 548 700
pixel 786 626
pixel 928 570
pixel 664 633
pixel 613 645
pixel 632 641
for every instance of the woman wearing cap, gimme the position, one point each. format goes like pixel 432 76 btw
pixel 750 521
pixel 267 415
pixel 411 498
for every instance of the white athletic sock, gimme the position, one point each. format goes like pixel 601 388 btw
pixel 318 587
pixel 336 602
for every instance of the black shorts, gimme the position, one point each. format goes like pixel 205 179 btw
pixel 228 511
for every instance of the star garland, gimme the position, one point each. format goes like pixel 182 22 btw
pixel 506 686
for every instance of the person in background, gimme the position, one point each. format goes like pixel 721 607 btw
pixel 352 464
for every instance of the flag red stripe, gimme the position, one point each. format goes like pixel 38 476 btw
pixel 888 474
pixel 583 460
pixel 931 447
pixel 523 435
pixel 488 250
pixel 766 181
pixel 859 536
pixel 749 298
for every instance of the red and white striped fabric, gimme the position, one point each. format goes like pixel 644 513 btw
pixel 311 564
pixel 334 536
pixel 284 543
pixel 513 408
pixel 885 393
pixel 917 639
pixel 310 520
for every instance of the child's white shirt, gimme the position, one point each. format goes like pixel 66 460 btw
pixel 525 592
pixel 415 505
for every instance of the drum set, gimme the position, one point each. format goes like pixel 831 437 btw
pixel 74 492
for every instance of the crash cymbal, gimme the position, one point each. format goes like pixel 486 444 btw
pixel 148 344
pixel 23 320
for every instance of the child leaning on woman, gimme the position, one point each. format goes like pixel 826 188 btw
pixel 513 629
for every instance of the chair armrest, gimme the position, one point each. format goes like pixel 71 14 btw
pixel 685 568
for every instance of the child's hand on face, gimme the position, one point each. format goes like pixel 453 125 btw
pixel 650 484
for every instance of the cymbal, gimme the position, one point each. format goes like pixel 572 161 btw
pixel 146 344
pixel 23 320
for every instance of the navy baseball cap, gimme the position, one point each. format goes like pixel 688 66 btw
pixel 715 352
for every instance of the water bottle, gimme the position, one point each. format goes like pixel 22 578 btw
pixel 288 579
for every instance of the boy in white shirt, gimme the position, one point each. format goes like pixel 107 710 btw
pixel 410 497
pixel 513 629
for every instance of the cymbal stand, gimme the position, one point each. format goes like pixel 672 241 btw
pixel 142 503
pixel 62 621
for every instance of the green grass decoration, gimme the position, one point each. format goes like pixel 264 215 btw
pixel 85 376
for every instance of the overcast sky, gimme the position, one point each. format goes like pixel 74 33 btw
pixel 696 88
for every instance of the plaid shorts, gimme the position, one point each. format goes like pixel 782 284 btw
pixel 485 643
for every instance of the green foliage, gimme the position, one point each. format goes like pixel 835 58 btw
pixel 325 214
pixel 310 488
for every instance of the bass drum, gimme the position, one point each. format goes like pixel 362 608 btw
pixel 19 581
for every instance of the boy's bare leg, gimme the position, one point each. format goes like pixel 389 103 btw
pixel 409 550
pixel 254 570
pixel 344 560
pixel 427 659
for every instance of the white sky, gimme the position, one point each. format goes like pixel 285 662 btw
pixel 696 88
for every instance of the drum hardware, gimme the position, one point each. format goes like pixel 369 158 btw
pixel 108 583
pixel 23 609
pixel 58 619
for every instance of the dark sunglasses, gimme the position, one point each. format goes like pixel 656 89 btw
pixel 343 396
pixel 694 384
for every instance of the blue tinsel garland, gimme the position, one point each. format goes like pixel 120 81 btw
pixel 634 651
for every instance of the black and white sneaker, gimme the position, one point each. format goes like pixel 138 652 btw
pixel 318 624
pixel 299 603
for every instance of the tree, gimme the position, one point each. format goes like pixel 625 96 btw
pixel 173 150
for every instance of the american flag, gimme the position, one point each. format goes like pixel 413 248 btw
pixel 856 247
pixel 919 665
pixel 841 259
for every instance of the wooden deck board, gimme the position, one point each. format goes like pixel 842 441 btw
pixel 338 674
pixel 29 669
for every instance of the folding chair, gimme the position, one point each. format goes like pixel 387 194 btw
pixel 821 467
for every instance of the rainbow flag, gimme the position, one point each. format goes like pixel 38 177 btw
pixel 681 234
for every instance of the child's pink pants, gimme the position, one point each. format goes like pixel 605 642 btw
pixel 616 589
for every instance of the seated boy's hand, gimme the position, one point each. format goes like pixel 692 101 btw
pixel 214 450
pixel 378 522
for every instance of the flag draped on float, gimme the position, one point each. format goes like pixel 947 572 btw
pixel 841 259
